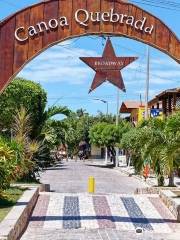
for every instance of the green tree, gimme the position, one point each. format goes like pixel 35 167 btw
pixel 171 148
pixel 24 93
pixel 21 134
pixel 130 142
pixel 108 135
pixel 76 130
pixel 144 144
pixel 33 98
pixel 158 143
pixel 72 130
pixel 101 117
pixel 48 114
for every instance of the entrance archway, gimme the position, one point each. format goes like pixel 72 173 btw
pixel 30 31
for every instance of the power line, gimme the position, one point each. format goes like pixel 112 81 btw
pixel 81 98
pixel 154 75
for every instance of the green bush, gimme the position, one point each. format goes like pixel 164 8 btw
pixel 10 163
pixel 26 93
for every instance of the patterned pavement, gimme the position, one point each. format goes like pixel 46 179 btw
pixel 113 213
pixel 57 211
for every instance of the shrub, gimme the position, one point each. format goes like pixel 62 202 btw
pixel 10 164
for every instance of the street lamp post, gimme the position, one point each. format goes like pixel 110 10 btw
pixel 106 102
pixel 107 112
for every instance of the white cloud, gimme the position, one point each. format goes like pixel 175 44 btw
pixel 59 64
pixel 164 62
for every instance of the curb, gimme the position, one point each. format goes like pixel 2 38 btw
pixel 148 182
pixel 12 227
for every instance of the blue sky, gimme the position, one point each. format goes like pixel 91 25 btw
pixel 67 79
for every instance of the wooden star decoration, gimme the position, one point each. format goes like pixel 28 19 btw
pixel 108 67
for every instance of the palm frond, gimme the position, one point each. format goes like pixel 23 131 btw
pixel 22 125
pixel 52 111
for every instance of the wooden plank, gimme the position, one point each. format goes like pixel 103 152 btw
pixel 137 14
pixel 6 51
pixel 150 20
pixel 174 45
pixel 106 6
pixel 51 11
pixel 21 48
pixel 136 33
pixel 76 28
pixel 65 9
pixel 93 6
pixel 177 49
pixel 162 35
pixel 35 43
pixel 121 8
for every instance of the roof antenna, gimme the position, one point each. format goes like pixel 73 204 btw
pixel 140 99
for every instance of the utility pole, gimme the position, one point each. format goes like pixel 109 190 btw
pixel 117 122
pixel 107 112
pixel 147 84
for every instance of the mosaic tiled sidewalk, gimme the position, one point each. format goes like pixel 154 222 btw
pixel 120 212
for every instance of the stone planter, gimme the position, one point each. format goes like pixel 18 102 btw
pixel 171 199
pixel 169 195
pixel 12 227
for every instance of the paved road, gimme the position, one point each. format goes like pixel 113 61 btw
pixel 112 213
pixel 96 234
pixel 73 176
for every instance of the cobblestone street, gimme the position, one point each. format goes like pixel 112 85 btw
pixel 72 177
pixel 113 212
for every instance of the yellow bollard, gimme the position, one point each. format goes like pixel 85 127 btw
pixel 91 185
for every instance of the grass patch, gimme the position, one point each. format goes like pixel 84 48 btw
pixel 8 199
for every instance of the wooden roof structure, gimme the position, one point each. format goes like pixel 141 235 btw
pixel 129 106
pixel 170 99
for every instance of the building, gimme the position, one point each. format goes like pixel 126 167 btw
pixel 97 152
pixel 134 109
pixel 168 101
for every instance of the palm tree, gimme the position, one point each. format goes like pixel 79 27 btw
pixel 171 148
pixel 46 115
pixel 143 144
pixel 151 150
pixel 162 146
pixel 21 134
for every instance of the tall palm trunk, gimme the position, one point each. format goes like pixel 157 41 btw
pixel 171 179
pixel 161 181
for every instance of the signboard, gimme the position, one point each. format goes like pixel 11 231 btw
pixel 156 113
pixel 153 113
pixel 83 18
pixel 30 31
pixel 108 67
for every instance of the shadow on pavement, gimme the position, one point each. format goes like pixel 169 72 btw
pixel 110 218
pixel 56 168
pixel 100 165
